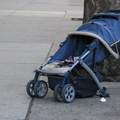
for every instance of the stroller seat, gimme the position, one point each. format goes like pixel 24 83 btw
pixel 55 67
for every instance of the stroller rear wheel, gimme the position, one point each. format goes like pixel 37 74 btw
pixel 68 93
pixel 40 89
pixel 58 93
pixel 30 88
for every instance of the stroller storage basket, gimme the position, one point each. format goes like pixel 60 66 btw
pixel 85 87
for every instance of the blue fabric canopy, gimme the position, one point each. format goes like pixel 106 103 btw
pixel 104 26
pixel 107 29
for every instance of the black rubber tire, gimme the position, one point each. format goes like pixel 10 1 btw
pixel 58 93
pixel 30 88
pixel 40 89
pixel 68 93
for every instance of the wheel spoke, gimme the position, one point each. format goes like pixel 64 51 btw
pixel 66 95
pixel 32 91
pixel 69 98
pixel 71 89
pixel 41 89
pixel 72 94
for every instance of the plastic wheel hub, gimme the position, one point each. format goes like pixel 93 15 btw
pixel 68 93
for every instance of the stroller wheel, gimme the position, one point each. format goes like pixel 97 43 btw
pixel 68 93
pixel 40 89
pixel 30 88
pixel 58 93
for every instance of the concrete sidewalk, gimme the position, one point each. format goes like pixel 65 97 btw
pixel 29 31
pixel 81 109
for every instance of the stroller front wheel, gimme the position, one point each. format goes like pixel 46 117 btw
pixel 30 88
pixel 58 93
pixel 40 89
pixel 68 93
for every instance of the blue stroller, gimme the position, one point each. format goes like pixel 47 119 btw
pixel 72 70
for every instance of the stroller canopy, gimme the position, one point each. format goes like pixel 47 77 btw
pixel 105 27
